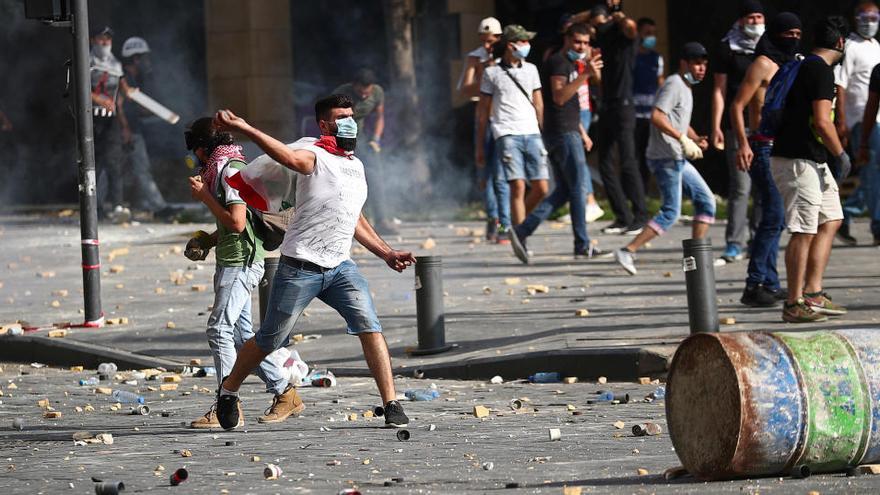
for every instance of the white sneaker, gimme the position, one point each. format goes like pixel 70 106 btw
pixel 594 212
pixel 120 214
pixel 626 260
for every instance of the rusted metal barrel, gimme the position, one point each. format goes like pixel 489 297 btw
pixel 759 404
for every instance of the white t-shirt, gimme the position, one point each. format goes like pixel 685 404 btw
pixel 482 55
pixel 854 75
pixel 512 112
pixel 328 205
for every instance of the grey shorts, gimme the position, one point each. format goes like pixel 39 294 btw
pixel 809 191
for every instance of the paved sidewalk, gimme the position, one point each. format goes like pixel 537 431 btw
pixel 489 313
pixel 592 452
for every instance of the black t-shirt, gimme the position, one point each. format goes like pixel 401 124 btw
pixel 874 85
pixel 566 118
pixel 734 65
pixel 797 136
pixel 619 56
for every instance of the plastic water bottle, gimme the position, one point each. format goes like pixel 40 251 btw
pixel 606 396
pixel 89 382
pixel 126 397
pixel 660 393
pixel 422 394
pixel 545 377
pixel 107 369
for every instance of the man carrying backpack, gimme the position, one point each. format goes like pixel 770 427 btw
pixel 776 48
pixel 239 252
pixel 805 136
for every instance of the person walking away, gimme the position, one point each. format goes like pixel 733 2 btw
pixel 671 146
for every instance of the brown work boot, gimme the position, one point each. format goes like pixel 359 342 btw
pixel 283 405
pixel 209 420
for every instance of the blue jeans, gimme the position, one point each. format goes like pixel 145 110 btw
pixel 487 174
pixel 342 288
pixel 586 120
pixel 523 157
pixel 570 171
pixel 230 324
pixel 675 177
pixel 867 195
pixel 765 243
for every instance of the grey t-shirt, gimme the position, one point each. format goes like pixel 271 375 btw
pixel 675 100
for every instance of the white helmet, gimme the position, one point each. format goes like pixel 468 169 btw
pixel 134 46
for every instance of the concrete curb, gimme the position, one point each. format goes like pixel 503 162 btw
pixel 67 352
pixel 617 364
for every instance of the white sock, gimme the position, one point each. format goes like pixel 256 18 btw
pixel 223 391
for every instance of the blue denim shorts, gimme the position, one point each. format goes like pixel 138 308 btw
pixel 523 157
pixel 343 288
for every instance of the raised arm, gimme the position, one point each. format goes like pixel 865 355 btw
pixel 302 161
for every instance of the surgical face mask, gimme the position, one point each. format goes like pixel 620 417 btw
pixel 346 131
pixel 575 56
pixel 649 42
pixel 103 51
pixel 754 31
pixel 689 77
pixel 522 51
pixel 867 28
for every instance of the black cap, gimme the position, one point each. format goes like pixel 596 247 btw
pixel 748 7
pixel 782 22
pixel 102 31
pixel 693 50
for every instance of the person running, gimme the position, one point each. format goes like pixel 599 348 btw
pixel 510 92
pixel 735 53
pixel 315 254
pixel 852 78
pixel 567 140
pixel 799 162
pixel 496 193
pixel 776 48
pixel 239 255
pixel 672 143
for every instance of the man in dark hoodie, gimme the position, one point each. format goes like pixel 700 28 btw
pixel 778 46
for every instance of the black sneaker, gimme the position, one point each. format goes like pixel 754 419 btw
pixel 759 297
pixel 635 228
pixel 844 235
pixel 592 252
pixel 780 294
pixel 228 411
pixel 616 227
pixel 519 246
pixel 394 415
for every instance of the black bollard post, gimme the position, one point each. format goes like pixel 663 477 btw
pixel 699 274
pixel 265 287
pixel 429 306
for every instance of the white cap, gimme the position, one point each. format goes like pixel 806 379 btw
pixel 135 46
pixel 489 25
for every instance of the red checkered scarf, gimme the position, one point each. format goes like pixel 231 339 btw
pixel 219 157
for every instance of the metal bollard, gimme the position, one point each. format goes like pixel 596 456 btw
pixel 271 266
pixel 429 306
pixel 699 274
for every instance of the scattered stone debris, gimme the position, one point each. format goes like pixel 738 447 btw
pixel 481 411
pixel 602 380
pixel 728 320
pixel 582 313
pixel 642 472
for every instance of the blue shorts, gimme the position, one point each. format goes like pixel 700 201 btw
pixel 343 288
pixel 523 157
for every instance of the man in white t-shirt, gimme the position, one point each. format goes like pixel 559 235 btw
pixel 852 77
pixel 511 93
pixel 330 193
